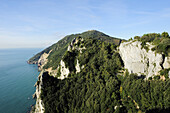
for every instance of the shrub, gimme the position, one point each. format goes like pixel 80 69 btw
pixel 165 35
pixel 157 77
pixel 137 37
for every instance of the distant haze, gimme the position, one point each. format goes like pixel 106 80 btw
pixel 40 23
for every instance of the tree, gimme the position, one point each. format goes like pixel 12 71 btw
pixel 137 37
pixel 165 35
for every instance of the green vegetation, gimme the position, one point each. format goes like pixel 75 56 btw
pixel 161 42
pixel 89 90
pixel 99 87
pixel 59 48
pixel 165 72
pixel 103 85
pixel 58 51
pixel 99 53
pixel 145 95
pixel 163 46
pixel 98 93
pixel 70 60
pixel 154 65
pixel 100 36
pixel 157 77
pixel 59 72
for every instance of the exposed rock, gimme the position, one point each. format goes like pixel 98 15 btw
pixel 77 67
pixel 32 62
pixel 43 60
pixel 69 48
pixel 39 106
pixel 140 61
pixel 162 78
pixel 74 46
pixel 166 62
pixel 34 96
pixel 64 71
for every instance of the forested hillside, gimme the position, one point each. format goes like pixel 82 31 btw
pixel 103 85
pixel 59 48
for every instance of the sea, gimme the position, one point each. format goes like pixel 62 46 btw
pixel 17 79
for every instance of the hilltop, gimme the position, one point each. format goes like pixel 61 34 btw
pixel 93 72
pixel 59 48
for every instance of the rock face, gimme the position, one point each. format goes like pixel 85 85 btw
pixel 166 62
pixel 39 106
pixel 140 61
pixel 32 62
pixel 75 45
pixel 77 67
pixel 43 60
pixel 64 71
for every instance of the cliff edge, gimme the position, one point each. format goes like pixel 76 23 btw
pixel 141 61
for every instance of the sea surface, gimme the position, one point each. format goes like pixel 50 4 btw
pixel 17 79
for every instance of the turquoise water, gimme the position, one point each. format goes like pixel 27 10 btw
pixel 17 79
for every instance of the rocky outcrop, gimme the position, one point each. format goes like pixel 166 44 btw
pixel 141 61
pixel 166 63
pixel 62 69
pixel 77 67
pixel 32 62
pixel 76 44
pixel 39 106
pixel 43 60
pixel 64 72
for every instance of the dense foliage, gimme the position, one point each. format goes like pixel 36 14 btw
pixel 161 42
pixel 145 95
pixel 100 86
pixel 59 48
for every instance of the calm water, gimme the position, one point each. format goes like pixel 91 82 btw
pixel 17 79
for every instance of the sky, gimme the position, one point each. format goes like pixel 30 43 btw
pixel 40 23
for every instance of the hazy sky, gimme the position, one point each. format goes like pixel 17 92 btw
pixel 40 23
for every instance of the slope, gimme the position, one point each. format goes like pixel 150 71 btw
pixel 59 48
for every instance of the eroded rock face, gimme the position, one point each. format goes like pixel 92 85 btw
pixel 77 67
pixel 39 106
pixel 166 62
pixel 64 71
pixel 32 62
pixel 74 46
pixel 43 60
pixel 140 61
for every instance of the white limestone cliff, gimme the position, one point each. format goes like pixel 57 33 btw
pixel 39 106
pixel 140 61
pixel 166 62
pixel 43 60
pixel 77 67
pixel 64 71
pixel 74 46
